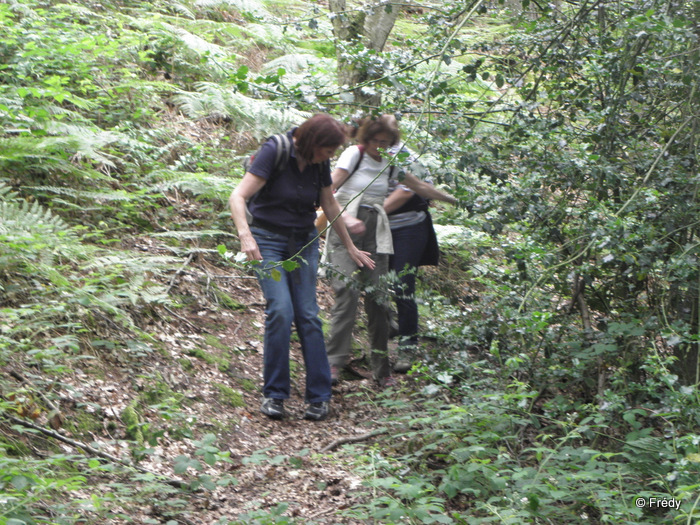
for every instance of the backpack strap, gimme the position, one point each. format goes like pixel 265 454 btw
pixel 357 165
pixel 361 147
pixel 282 148
pixel 282 152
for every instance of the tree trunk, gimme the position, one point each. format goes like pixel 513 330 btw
pixel 354 29
pixel 688 365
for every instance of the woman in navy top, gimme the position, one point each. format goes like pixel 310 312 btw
pixel 283 212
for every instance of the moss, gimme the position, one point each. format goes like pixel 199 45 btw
pixel 158 391
pixel 247 385
pixel 322 48
pixel 221 362
pixel 203 355
pixel 186 364
pixel 132 422
pixel 227 301
pixel 230 396
pixel 294 367
pixel 215 342
pixel 83 423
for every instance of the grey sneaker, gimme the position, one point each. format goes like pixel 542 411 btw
pixel 317 411
pixel 273 408
pixel 406 357
pixel 403 364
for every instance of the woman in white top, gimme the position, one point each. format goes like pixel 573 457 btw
pixel 361 177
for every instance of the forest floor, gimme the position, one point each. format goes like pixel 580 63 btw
pixel 304 464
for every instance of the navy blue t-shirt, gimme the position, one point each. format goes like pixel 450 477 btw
pixel 289 200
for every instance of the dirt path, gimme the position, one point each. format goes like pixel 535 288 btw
pixel 273 462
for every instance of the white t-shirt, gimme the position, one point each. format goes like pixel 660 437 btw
pixel 365 175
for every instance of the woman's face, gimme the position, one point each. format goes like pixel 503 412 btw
pixel 323 154
pixel 381 141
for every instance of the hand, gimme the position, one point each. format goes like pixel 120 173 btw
pixel 250 247
pixel 362 259
pixel 354 225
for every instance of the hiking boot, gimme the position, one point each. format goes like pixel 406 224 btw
pixel 317 411
pixel 273 408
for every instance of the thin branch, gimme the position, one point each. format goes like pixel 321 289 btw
pixel 352 439
pixel 186 321
pixel 24 381
pixel 83 447
pixel 172 281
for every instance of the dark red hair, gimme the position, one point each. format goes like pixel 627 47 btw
pixel 320 131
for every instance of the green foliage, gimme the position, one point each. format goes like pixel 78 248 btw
pixel 25 483
pixel 210 455
pixel 562 385
pixel 28 231
pixel 497 456
pixel 274 516
pixel 226 301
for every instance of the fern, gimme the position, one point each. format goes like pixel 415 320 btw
pixel 182 10
pixel 293 62
pixel 95 196
pixel 251 7
pixel 199 234
pixel 319 74
pixel 27 155
pixel 198 184
pixel 21 9
pixel 269 35
pixel 6 193
pixel 32 235
pixel 259 117
pixel 89 142
pixel 129 264
pixel 78 11
pixel 190 42
pixel 20 220
pixel 32 153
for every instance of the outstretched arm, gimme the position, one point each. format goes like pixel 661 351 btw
pixel 396 199
pixel 425 190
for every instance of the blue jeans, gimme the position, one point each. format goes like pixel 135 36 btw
pixel 409 244
pixel 291 299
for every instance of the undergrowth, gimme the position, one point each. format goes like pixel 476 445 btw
pixel 558 379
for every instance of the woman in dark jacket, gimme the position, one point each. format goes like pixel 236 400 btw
pixel 415 244
pixel 283 213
